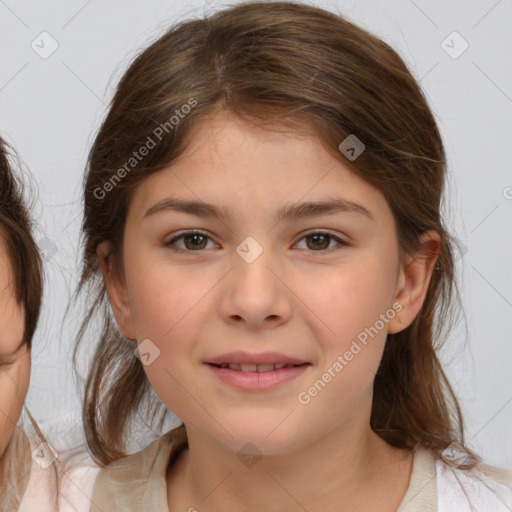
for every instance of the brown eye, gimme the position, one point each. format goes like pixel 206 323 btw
pixel 320 241
pixel 192 241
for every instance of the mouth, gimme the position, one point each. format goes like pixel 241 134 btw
pixel 256 368
pixel 256 373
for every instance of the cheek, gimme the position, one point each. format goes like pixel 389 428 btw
pixel 13 390
pixel 352 308
pixel 356 305
pixel 14 379
pixel 166 303
pixel 162 297
pixel 348 299
pixel 12 325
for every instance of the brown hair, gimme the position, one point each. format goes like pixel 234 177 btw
pixel 268 63
pixel 15 228
pixel 16 232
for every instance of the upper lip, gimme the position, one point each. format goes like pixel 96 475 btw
pixel 247 358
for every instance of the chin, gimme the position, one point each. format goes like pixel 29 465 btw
pixel 267 437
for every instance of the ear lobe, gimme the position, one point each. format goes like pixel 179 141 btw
pixel 116 291
pixel 414 280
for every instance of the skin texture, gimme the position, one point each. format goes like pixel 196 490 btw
pixel 15 367
pixel 302 297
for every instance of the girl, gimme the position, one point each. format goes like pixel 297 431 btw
pixel 262 212
pixel 20 302
pixel 34 475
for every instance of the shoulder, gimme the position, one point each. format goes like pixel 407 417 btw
pixel 62 473
pixel 15 470
pixel 438 485
pixel 138 478
pixel 484 488
pixel 499 475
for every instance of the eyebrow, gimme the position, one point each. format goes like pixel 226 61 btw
pixel 287 212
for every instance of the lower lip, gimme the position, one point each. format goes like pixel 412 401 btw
pixel 256 381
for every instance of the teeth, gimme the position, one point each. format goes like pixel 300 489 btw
pixel 260 368
pixel 246 368
pixel 265 368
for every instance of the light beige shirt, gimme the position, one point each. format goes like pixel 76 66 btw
pixel 138 482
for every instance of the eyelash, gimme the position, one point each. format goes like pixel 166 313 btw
pixel 195 232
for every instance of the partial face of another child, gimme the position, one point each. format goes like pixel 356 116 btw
pixel 14 356
pixel 256 281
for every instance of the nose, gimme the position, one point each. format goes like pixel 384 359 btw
pixel 255 293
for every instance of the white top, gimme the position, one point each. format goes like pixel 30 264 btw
pixel 462 491
pixel 64 455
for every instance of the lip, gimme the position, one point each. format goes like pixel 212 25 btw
pixel 258 381
pixel 248 358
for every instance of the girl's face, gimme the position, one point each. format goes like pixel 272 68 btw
pixel 14 356
pixel 253 285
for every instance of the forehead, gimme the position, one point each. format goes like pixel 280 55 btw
pixel 241 165
pixel 226 134
pixel 5 260
pixel 11 311
pixel 6 271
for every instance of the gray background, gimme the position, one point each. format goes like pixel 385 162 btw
pixel 50 109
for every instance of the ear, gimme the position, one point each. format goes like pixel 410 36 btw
pixel 116 290
pixel 413 281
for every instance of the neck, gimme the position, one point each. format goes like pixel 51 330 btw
pixel 337 472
